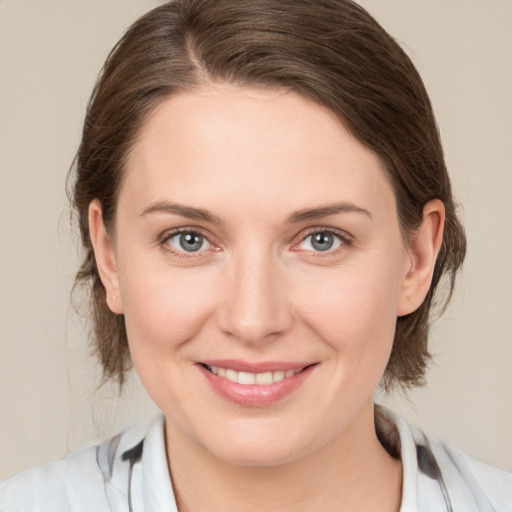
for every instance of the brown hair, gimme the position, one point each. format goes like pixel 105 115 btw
pixel 330 51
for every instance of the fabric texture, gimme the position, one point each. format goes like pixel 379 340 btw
pixel 129 473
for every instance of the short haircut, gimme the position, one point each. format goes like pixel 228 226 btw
pixel 329 51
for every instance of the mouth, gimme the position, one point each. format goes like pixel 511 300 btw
pixel 266 384
pixel 249 378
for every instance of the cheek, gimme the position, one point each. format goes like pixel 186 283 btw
pixel 163 306
pixel 164 310
pixel 353 309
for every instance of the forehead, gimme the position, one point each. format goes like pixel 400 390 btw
pixel 223 144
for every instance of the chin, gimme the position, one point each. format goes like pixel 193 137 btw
pixel 256 455
pixel 266 446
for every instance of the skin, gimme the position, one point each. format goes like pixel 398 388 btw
pixel 258 290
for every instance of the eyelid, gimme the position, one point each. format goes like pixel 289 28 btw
pixel 167 235
pixel 346 238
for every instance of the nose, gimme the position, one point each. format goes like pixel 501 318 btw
pixel 256 306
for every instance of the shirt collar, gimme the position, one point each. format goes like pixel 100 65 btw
pixel 157 487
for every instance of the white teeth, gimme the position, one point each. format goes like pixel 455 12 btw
pixel 232 375
pixel 264 378
pixel 248 378
pixel 278 376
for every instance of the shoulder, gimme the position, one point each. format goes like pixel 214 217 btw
pixel 77 483
pixel 495 483
pixel 462 475
pixel 444 476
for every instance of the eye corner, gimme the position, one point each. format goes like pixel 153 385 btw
pixel 335 240
pixel 171 242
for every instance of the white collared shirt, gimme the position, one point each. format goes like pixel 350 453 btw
pixel 129 473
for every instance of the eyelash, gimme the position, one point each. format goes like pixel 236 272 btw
pixel 342 236
pixel 168 235
pixel 345 239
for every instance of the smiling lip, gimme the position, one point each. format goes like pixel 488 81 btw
pixel 287 376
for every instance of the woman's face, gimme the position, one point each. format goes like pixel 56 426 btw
pixel 257 241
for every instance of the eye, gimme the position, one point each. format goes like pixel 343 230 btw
pixel 188 241
pixel 321 241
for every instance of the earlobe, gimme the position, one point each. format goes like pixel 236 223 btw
pixel 105 257
pixel 423 249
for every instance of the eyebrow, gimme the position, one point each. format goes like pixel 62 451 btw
pixel 326 211
pixel 299 216
pixel 184 211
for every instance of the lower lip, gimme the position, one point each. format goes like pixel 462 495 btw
pixel 255 395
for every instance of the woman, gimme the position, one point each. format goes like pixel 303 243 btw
pixel 266 215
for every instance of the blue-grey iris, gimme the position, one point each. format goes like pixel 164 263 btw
pixel 191 242
pixel 322 241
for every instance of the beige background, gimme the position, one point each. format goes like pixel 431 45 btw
pixel 50 53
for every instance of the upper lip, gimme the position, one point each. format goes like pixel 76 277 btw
pixel 255 367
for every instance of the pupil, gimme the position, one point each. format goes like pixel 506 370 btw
pixel 191 242
pixel 322 241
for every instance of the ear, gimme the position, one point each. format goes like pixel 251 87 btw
pixel 423 249
pixel 105 257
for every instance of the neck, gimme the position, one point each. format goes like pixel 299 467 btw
pixel 352 472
